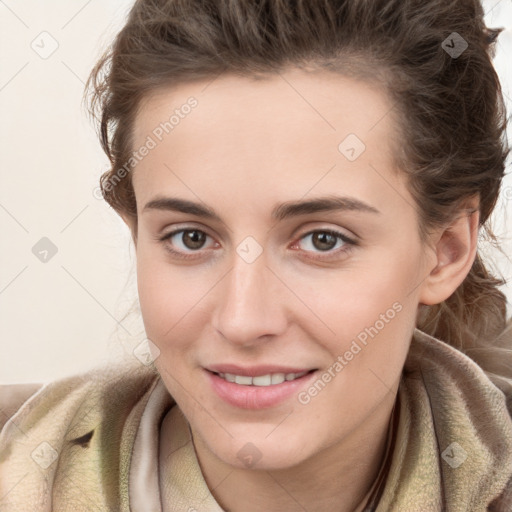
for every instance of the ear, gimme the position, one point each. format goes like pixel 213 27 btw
pixel 454 249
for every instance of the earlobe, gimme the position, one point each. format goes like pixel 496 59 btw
pixel 455 251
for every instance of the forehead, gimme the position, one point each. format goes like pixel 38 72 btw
pixel 325 102
pixel 275 126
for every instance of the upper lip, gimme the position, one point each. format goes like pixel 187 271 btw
pixel 254 371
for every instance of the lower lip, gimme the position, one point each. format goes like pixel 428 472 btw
pixel 256 397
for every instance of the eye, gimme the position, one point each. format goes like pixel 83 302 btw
pixel 324 241
pixel 189 239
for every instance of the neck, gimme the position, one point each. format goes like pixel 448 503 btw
pixel 340 478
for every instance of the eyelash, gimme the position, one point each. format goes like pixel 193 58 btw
pixel 349 243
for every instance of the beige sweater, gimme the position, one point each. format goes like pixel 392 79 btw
pixel 90 442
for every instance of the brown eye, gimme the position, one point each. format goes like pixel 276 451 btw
pixel 184 243
pixel 324 240
pixel 193 239
pixel 332 243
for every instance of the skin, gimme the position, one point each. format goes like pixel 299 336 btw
pixel 247 146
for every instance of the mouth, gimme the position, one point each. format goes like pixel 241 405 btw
pixel 263 389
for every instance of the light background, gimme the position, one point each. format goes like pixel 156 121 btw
pixel 66 315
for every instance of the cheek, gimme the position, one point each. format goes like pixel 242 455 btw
pixel 371 313
pixel 373 319
pixel 161 295
pixel 169 305
pixel 171 299
pixel 352 300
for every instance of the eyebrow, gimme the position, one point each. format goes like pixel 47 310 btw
pixel 279 212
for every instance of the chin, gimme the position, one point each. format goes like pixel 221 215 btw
pixel 259 453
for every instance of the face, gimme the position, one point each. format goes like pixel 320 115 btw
pixel 235 277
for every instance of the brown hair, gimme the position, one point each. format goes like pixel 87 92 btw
pixel 450 107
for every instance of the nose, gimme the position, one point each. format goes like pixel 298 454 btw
pixel 250 306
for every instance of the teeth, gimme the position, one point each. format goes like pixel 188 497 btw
pixel 261 380
pixel 277 378
pixel 243 379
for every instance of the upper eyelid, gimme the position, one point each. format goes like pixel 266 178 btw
pixel 346 231
pixel 191 227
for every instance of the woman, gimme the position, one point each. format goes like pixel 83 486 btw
pixel 305 183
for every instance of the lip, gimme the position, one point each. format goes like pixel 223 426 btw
pixel 254 371
pixel 256 397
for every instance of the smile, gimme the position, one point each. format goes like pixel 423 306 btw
pixel 261 380
pixel 265 388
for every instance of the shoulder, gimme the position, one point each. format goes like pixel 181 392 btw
pixel 466 405
pixel 104 386
pixel 13 396
pixel 79 428
pixel 429 355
